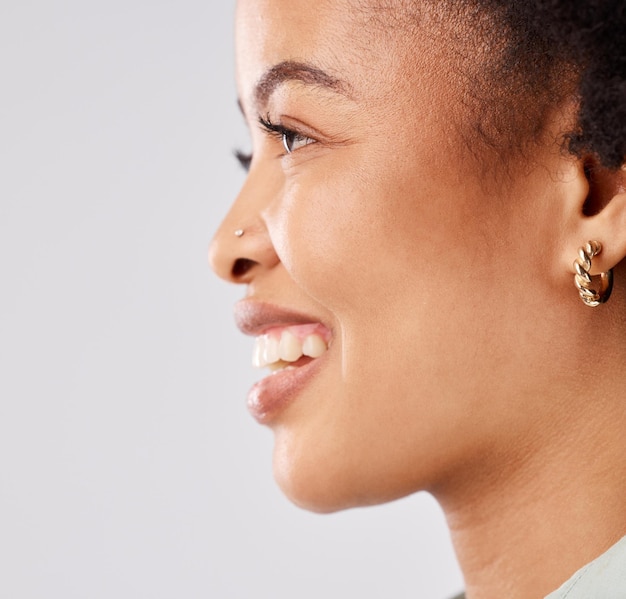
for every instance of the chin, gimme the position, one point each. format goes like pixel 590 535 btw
pixel 314 497
pixel 308 484
pixel 322 484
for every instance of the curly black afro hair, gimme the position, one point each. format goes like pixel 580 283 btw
pixel 588 37
pixel 532 56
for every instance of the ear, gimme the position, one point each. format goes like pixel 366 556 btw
pixel 598 215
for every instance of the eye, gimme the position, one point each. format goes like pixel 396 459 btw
pixel 292 140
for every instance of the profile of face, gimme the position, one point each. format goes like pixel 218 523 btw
pixel 374 234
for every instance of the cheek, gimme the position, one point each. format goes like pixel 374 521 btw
pixel 323 237
pixel 376 234
pixel 402 260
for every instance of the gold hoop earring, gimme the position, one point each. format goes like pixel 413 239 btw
pixel 582 278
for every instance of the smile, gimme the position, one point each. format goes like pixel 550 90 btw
pixel 282 347
pixel 291 344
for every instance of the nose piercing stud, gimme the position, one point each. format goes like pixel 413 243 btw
pixel 239 233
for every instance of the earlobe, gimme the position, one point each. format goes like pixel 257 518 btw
pixel 609 228
pixel 601 217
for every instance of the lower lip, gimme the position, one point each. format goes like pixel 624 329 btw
pixel 274 393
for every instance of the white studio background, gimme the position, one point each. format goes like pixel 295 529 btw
pixel 129 467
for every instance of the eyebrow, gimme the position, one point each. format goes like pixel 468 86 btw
pixel 305 73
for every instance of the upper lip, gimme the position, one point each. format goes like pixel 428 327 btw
pixel 254 317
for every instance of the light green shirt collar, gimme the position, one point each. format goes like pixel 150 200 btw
pixel 603 578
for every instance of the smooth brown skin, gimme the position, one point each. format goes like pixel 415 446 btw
pixel 462 362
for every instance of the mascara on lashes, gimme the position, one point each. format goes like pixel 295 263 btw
pixel 285 135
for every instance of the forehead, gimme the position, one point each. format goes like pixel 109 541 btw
pixel 269 32
pixel 289 21
pixel 349 40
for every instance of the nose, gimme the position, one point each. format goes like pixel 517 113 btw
pixel 242 246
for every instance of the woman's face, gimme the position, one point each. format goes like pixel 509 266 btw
pixel 378 226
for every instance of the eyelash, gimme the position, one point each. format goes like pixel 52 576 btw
pixel 283 134
pixel 244 159
pixel 280 132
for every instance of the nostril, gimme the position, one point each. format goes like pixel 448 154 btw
pixel 241 267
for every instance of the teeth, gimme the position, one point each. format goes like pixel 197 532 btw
pixel 280 365
pixel 278 352
pixel 290 349
pixel 314 346
pixel 257 353
pixel 271 352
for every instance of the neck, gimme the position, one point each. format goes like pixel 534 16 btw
pixel 526 533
